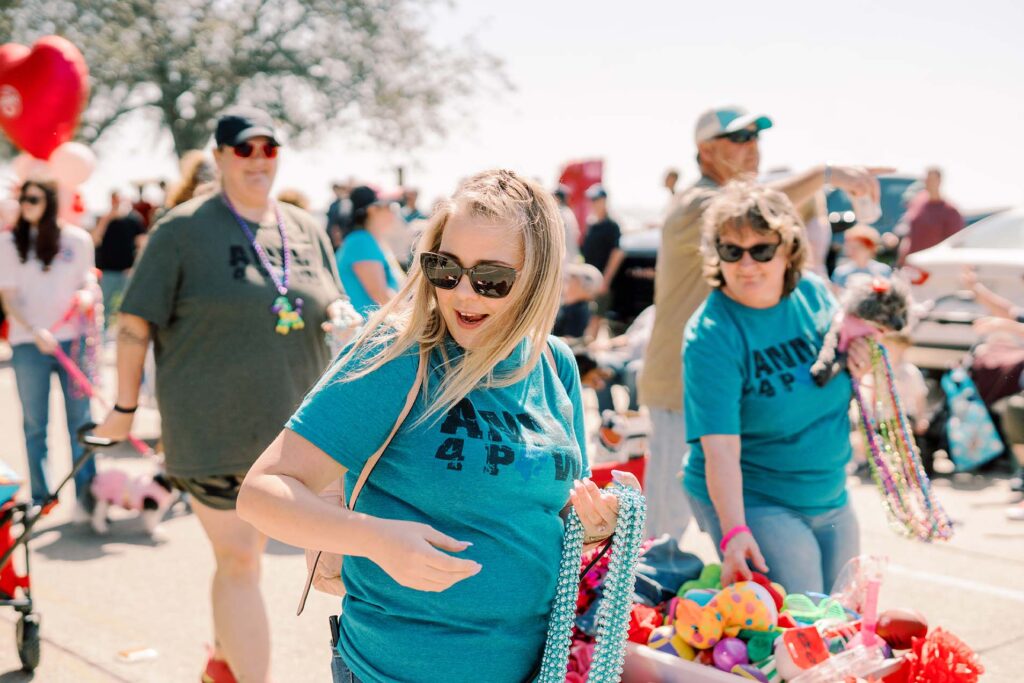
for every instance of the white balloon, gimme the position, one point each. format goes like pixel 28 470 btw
pixel 26 166
pixel 72 163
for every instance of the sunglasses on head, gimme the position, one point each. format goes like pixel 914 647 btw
pixel 30 200
pixel 244 150
pixel 762 253
pixel 740 136
pixel 487 279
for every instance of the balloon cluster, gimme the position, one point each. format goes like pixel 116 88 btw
pixel 43 90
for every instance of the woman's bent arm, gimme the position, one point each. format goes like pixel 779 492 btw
pixel 277 497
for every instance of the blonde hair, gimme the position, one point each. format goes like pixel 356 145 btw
pixel 198 174
pixel 413 318
pixel 294 197
pixel 745 205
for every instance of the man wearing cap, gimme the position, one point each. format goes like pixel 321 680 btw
pixel 727 148
pixel 601 249
pixel 233 289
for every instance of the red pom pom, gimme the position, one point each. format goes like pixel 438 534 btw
pixel 643 620
pixel 879 286
pixel 941 657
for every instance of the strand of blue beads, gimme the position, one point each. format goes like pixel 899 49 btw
pixel 613 615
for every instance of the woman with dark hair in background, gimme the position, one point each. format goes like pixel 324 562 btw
pixel 369 272
pixel 43 266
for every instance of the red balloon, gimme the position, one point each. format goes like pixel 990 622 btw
pixel 42 93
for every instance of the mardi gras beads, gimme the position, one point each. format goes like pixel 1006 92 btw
pixel 613 614
pixel 896 467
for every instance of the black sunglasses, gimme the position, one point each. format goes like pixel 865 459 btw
pixel 741 137
pixel 762 253
pixel 487 279
pixel 244 150
pixel 30 200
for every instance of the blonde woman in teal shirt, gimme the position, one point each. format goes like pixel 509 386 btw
pixel 452 556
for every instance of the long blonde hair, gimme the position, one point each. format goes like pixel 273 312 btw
pixel 412 317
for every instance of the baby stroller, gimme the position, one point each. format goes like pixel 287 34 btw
pixel 19 517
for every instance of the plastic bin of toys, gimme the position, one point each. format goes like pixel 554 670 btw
pixel 756 631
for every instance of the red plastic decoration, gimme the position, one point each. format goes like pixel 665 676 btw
pixel 43 91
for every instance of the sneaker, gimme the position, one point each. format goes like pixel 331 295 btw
pixel 1016 513
pixel 217 671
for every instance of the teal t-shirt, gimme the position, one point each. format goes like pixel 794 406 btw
pixel 360 246
pixel 496 471
pixel 747 372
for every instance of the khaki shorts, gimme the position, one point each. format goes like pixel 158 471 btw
pixel 219 491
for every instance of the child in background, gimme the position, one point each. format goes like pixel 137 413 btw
pixel 580 285
pixel 860 244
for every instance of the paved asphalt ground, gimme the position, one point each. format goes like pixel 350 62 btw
pixel 98 596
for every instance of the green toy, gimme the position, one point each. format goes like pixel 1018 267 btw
pixel 760 644
pixel 802 608
pixel 710 577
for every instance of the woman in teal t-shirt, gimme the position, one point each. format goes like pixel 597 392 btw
pixel 452 555
pixel 766 474
pixel 368 271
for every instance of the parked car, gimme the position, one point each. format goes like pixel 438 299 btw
pixel 994 247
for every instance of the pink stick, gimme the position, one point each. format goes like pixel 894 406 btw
pixel 79 377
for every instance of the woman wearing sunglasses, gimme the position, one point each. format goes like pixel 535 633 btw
pixel 766 477
pixel 233 288
pixel 452 551
pixel 43 267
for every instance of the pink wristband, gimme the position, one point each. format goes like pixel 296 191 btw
pixel 739 529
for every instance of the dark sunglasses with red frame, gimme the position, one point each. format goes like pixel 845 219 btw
pixel 244 150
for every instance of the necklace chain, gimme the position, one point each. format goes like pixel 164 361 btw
pixel 280 283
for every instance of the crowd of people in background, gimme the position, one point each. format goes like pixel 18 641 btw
pixel 740 267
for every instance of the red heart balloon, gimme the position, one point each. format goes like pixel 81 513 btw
pixel 42 93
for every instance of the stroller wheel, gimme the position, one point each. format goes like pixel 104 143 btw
pixel 28 641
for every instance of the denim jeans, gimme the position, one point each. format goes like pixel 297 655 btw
pixel 340 673
pixel 667 509
pixel 32 371
pixel 112 284
pixel 804 553
pixel 624 371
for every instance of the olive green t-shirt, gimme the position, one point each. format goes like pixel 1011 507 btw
pixel 226 381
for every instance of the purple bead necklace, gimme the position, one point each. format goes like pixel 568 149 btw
pixel 289 317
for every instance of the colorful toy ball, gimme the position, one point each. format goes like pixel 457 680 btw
pixel 729 652
pixel 749 672
pixel 667 639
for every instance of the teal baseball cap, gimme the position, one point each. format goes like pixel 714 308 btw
pixel 723 120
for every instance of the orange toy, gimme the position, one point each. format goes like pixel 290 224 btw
pixel 743 605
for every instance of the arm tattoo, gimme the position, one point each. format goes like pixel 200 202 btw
pixel 124 335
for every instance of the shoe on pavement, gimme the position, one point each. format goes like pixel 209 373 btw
pixel 217 671
pixel 1016 513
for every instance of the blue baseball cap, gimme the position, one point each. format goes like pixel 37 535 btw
pixel 723 120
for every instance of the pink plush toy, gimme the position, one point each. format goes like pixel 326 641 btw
pixel 151 496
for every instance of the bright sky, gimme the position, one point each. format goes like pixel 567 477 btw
pixel 895 83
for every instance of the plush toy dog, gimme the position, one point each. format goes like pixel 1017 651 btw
pixel 151 496
pixel 868 308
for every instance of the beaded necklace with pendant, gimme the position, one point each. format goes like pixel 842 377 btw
pixel 289 317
